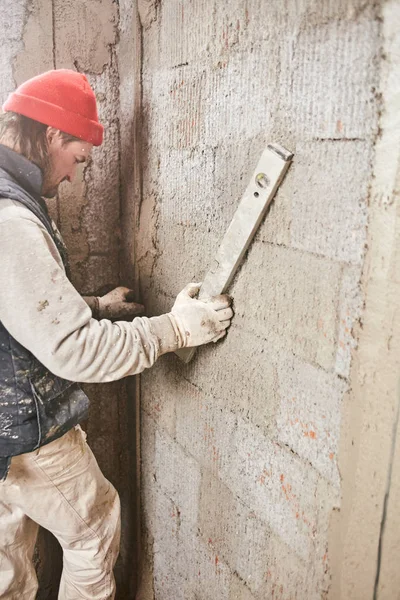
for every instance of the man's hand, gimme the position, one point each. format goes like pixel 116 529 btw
pixel 117 305
pixel 201 322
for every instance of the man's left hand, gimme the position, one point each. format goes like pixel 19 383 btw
pixel 118 305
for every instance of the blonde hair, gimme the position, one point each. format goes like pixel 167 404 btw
pixel 28 137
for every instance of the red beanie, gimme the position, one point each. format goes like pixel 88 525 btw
pixel 62 99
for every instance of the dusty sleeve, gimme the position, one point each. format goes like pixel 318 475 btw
pixel 43 311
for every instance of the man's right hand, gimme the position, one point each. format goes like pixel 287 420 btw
pixel 201 322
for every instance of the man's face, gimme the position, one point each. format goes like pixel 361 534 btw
pixel 64 158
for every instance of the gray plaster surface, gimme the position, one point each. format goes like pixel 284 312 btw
pixel 254 424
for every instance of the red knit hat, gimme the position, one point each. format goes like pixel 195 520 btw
pixel 62 99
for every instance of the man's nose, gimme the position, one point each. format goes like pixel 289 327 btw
pixel 71 175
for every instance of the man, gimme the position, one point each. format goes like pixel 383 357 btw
pixel 49 340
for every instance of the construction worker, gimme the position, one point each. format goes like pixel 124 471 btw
pixel 51 339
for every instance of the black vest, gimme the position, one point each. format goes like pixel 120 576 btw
pixel 36 406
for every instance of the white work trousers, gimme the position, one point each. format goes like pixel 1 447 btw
pixel 60 487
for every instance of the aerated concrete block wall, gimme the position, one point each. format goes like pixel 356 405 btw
pixel 240 477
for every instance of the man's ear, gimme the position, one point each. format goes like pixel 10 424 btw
pixel 52 135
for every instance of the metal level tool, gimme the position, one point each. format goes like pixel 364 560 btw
pixel 264 182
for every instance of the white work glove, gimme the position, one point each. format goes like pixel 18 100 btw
pixel 117 305
pixel 201 322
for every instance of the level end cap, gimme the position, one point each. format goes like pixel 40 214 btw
pixel 286 155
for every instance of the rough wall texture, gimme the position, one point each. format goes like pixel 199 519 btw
pixel 240 465
pixel 38 35
pixel 365 534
